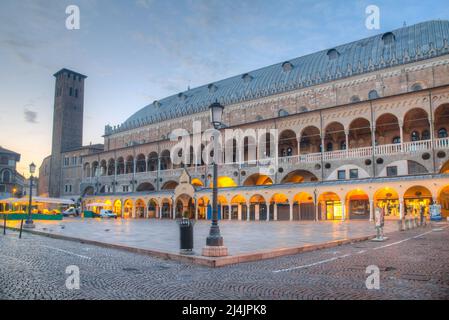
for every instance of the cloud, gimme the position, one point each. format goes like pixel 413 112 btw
pixel 30 116
pixel 144 3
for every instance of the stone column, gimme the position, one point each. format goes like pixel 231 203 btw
pixel 268 211
pixel 275 218
pixel 257 212
pixel 343 210
pixel 173 206
pixel 239 212
pixel 229 212
pixel 248 211
pixel 160 211
pixel 401 132
pixel 347 139
pixel 371 210
pixel 401 209
pixel 291 211
pixel 196 209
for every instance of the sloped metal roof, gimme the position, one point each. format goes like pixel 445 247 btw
pixel 413 43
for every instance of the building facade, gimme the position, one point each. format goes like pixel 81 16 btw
pixel 357 126
pixel 11 182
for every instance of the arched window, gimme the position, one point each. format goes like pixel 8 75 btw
pixel 282 113
pixel 396 140
pixel 425 135
pixel 329 146
pixel 333 54
pixel 416 87
pixel 6 176
pixel 373 95
pixel 355 99
pixel 388 38
pixel 287 66
pixel 415 136
pixel 442 133
pixel 343 145
pixel 289 152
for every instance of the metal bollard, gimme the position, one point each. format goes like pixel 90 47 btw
pixel 4 224
pixel 21 227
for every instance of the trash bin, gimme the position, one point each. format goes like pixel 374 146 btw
pixel 186 235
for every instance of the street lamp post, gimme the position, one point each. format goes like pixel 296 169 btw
pixel 214 242
pixel 29 222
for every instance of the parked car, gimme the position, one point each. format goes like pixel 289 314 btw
pixel 107 214
pixel 70 212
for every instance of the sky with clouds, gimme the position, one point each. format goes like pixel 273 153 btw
pixel 137 51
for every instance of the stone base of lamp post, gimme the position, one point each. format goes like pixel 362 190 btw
pixel 215 251
pixel 30 225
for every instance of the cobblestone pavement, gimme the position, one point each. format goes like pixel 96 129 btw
pixel 413 264
pixel 163 235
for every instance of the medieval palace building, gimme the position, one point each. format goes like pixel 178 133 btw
pixel 361 125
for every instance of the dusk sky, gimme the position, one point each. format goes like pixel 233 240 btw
pixel 137 51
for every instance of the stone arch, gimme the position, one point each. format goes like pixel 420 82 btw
pixel 140 210
pixel 165 160
pixel 360 133
pixel 258 180
pixel 330 206
pixel 153 160
pixel 299 176
pixel 197 182
pixel 145 186
pixel 86 170
pixel 169 185
pixel 334 137
pixel 128 209
pixel 303 206
pixel 387 129
pixel 103 167
pixel 280 205
pixel 117 207
pixel 111 167
pixel 129 164
pixel 95 167
pixel 416 125
pixel 441 121
pixel 416 197
pixel 358 204
pixel 152 208
pixel 88 191
pixel 120 165
pixel 310 140
pixel 389 199
pixel 224 182
pixel 288 144
pixel 257 207
pixel 141 163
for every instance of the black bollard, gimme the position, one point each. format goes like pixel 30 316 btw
pixel 21 226
pixel 4 224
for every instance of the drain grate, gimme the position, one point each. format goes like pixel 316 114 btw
pixel 416 277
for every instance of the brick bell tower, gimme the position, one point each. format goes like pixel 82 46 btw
pixel 67 122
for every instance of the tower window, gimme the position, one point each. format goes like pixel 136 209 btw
pixel 70 91
pixel 76 93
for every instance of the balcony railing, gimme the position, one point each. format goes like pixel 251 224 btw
pixel 357 153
